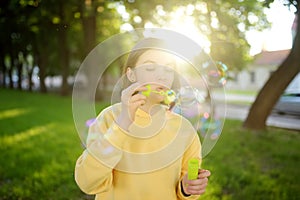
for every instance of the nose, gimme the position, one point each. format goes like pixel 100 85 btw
pixel 161 74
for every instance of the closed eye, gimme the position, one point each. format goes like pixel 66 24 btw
pixel 150 68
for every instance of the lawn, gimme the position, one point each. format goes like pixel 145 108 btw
pixel 39 147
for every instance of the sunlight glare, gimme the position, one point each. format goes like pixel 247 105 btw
pixel 279 36
pixel 19 137
pixel 13 113
pixel 182 22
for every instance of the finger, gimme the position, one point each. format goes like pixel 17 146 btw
pixel 133 107
pixel 203 173
pixel 196 192
pixel 126 93
pixel 135 88
pixel 197 182
pixel 138 91
pixel 196 188
pixel 134 103
pixel 137 103
pixel 137 97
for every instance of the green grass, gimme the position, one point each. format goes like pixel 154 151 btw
pixel 242 92
pixel 39 147
pixel 254 165
pixel 238 101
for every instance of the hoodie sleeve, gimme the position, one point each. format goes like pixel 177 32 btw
pixel 193 151
pixel 94 168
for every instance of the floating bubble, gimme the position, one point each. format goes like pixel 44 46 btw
pixel 188 100
pixel 216 73
pixel 188 104
pixel 210 122
pixel 191 104
pixel 222 70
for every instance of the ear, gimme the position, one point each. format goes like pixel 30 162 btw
pixel 130 75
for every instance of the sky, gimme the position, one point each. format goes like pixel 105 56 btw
pixel 279 37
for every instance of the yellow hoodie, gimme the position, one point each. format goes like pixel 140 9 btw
pixel 147 162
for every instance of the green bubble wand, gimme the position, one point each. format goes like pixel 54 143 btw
pixel 169 95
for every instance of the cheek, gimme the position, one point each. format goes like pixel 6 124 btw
pixel 157 97
pixel 171 79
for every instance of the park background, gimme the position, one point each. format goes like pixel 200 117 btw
pixel 46 41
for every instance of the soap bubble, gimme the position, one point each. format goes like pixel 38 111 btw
pixel 191 104
pixel 194 99
pixel 210 122
pixel 216 73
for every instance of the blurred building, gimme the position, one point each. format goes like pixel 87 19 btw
pixel 258 72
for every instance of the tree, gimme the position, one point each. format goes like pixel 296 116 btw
pixel 278 81
pixel 46 21
pixel 223 22
pixel 41 26
pixel 11 39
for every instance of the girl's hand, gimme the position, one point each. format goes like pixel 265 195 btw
pixel 198 186
pixel 131 100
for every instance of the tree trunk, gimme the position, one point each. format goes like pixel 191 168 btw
pixel 89 34
pixel 30 83
pixel 64 60
pixel 89 26
pixel 10 70
pixel 89 29
pixel 19 69
pixel 42 60
pixel 29 70
pixel 11 83
pixel 2 70
pixel 63 51
pixel 274 87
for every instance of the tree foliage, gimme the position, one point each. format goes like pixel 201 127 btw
pixel 59 34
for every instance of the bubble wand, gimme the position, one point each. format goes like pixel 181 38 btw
pixel 170 95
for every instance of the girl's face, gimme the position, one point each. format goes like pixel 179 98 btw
pixel 156 67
